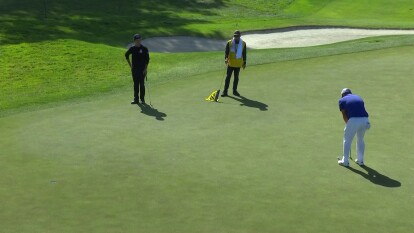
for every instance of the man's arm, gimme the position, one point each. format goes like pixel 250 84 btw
pixel 344 115
pixel 226 53
pixel 147 59
pixel 127 57
pixel 244 55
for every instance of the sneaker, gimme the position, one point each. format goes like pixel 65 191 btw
pixel 236 93
pixel 143 101
pixel 134 102
pixel 224 94
pixel 360 163
pixel 341 163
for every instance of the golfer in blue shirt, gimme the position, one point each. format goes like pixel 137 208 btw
pixel 356 119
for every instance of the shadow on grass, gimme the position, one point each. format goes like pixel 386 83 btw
pixel 250 103
pixel 376 177
pixel 150 111
pixel 106 22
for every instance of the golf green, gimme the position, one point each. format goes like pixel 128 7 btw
pixel 265 162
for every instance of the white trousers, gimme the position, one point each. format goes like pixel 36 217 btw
pixel 358 126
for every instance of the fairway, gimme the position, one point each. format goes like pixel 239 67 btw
pixel 262 163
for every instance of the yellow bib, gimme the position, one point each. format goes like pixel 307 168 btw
pixel 233 61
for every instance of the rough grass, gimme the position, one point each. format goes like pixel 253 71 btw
pixel 60 50
pixel 113 23
pixel 67 69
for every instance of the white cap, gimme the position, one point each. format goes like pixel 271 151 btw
pixel 346 91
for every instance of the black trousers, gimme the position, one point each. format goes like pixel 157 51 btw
pixel 230 70
pixel 139 86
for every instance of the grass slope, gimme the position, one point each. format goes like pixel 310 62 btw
pixel 40 73
pixel 67 69
pixel 54 51
pixel 265 163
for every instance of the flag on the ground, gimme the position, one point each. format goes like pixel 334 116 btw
pixel 213 96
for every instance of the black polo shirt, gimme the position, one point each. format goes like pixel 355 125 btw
pixel 140 56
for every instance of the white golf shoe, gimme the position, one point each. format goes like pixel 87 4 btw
pixel 342 163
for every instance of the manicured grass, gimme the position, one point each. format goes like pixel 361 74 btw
pixel 113 23
pixel 266 163
pixel 55 51
pixel 356 13
pixel 263 163
pixel 67 69
pixel 40 73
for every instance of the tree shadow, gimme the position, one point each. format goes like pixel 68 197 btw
pixel 106 22
pixel 250 103
pixel 150 111
pixel 376 177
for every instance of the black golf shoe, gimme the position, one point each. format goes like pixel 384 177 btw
pixel 236 93
pixel 134 102
pixel 360 163
pixel 224 94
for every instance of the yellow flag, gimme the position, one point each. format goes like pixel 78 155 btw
pixel 212 96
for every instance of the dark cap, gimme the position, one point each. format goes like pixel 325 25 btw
pixel 137 36
pixel 346 91
pixel 237 33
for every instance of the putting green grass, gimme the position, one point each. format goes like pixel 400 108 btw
pixel 263 163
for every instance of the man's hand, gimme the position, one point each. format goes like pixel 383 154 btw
pixel 226 61
pixel 129 63
pixel 244 65
pixel 345 115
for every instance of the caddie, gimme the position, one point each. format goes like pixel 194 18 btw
pixel 235 58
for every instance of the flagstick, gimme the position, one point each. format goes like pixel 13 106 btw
pixel 218 91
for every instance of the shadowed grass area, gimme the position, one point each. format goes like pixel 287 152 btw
pixel 265 162
pixel 113 23
pixel 98 21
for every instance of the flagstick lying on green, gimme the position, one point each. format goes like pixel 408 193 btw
pixel 213 96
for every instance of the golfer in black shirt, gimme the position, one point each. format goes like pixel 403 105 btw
pixel 139 65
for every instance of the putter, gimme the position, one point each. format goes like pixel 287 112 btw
pixel 149 93
pixel 350 155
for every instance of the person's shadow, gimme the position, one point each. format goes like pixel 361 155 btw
pixel 150 111
pixel 250 103
pixel 376 177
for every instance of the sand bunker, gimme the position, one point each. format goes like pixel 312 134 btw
pixel 283 38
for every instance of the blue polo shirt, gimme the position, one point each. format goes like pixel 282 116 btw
pixel 354 106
